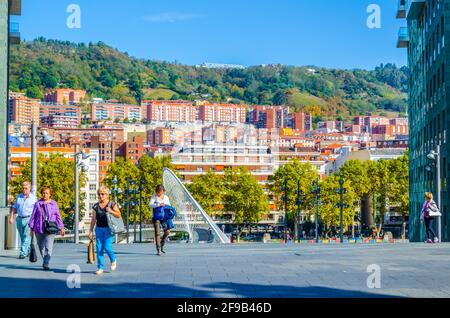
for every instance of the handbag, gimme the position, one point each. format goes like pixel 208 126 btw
pixel 433 210
pixel 115 225
pixel 91 254
pixel 33 255
pixel 50 227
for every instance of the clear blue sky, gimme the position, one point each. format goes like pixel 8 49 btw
pixel 328 33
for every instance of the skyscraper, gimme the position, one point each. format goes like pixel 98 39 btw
pixel 9 33
pixel 425 38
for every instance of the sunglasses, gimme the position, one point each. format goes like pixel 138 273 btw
pixel 102 194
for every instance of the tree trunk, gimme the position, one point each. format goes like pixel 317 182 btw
pixel 367 211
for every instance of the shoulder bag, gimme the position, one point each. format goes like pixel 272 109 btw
pixel 115 225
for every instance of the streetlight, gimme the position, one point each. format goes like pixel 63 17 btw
pixel 435 158
pixel 341 205
pixel 116 191
pixel 141 190
pixel 285 201
pixel 299 202
pixel 134 203
pixel 316 192
pixel 128 192
pixel 34 138
pixel 78 159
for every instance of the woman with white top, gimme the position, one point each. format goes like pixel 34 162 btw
pixel 158 201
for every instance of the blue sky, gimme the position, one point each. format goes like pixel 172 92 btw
pixel 328 33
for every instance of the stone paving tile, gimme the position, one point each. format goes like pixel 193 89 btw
pixel 243 270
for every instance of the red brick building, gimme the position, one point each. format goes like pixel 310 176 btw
pixel 64 96
pixel 170 111
pixel 134 148
pixel 23 110
pixel 223 113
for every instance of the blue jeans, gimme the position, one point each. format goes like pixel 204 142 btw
pixel 104 240
pixel 24 234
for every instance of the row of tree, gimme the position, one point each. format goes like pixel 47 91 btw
pixel 238 192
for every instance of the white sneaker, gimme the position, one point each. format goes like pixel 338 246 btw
pixel 436 240
pixel 99 272
pixel 113 266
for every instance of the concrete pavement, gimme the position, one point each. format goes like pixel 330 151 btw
pixel 238 271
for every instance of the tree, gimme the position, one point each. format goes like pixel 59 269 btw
pixel 356 172
pixel 280 98
pixel 208 191
pixel 244 197
pixel 34 92
pixel 57 173
pixel 329 212
pixel 150 170
pixel 399 194
pixel 293 172
pixel 122 169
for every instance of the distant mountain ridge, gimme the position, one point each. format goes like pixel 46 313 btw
pixel 108 73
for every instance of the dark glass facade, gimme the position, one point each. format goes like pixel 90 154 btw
pixel 428 60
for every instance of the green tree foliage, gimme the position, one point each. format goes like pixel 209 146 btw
pixel 386 180
pixel 280 98
pixel 149 170
pixel 123 169
pixel 244 197
pixel 293 172
pixel 57 173
pixel 107 73
pixel 208 190
pixel 329 212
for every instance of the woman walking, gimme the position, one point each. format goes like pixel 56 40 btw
pixel 45 223
pixel 157 202
pixel 429 211
pixel 103 235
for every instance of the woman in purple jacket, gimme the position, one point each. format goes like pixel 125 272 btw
pixel 48 209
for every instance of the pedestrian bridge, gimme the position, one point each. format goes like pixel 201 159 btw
pixel 191 217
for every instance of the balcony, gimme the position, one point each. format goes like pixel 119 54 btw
pixel 15 7
pixel 415 8
pixel 14 33
pixel 403 38
pixel 401 10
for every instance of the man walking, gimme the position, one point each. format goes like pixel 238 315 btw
pixel 23 207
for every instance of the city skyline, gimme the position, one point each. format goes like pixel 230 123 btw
pixel 290 32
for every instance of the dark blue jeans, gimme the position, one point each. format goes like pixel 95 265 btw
pixel 429 223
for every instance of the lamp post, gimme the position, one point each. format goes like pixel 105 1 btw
pixel 78 164
pixel 116 192
pixel 127 192
pixel 34 138
pixel 435 158
pixel 299 203
pixel 285 201
pixel 341 205
pixel 141 189
pixel 316 191
pixel 134 208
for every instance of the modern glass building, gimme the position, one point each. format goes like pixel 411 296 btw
pixel 426 38
pixel 9 34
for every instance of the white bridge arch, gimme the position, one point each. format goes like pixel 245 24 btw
pixel 191 217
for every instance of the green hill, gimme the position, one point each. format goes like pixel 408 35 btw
pixel 107 73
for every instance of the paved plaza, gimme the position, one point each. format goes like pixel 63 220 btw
pixel 238 271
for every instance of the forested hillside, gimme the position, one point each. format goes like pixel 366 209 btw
pixel 107 73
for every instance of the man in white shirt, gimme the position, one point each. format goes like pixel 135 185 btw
pixel 23 208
